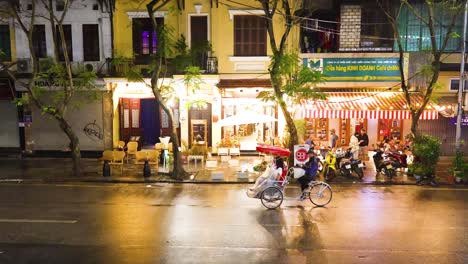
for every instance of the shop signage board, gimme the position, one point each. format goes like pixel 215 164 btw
pixel 464 121
pixel 300 154
pixel 357 69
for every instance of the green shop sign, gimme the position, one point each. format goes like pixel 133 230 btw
pixel 357 69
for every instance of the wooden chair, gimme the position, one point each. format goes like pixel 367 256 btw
pixel 132 148
pixel 121 144
pixel 140 157
pixel 118 160
pixel 159 146
pixel 107 155
pixel 153 156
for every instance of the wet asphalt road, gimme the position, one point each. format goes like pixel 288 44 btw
pixel 187 223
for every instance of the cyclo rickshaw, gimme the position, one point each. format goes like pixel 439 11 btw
pixel 270 190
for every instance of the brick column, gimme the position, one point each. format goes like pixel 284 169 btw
pixel 350 28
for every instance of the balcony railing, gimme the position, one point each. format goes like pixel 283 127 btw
pixel 120 67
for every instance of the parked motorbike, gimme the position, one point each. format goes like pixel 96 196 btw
pixel 356 164
pixel 330 168
pixel 383 164
pixel 400 159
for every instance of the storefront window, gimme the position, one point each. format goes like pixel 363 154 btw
pixel 318 127
pixel 349 127
pixel 263 132
pixel 392 129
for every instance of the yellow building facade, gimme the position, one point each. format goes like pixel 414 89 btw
pixel 231 80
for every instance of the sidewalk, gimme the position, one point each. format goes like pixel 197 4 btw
pixel 50 170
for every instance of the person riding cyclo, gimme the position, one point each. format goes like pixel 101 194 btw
pixel 311 168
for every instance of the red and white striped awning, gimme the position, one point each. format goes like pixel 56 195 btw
pixel 377 105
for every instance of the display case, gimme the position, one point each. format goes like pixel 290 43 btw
pixel 344 132
pixel 318 127
pixel 393 129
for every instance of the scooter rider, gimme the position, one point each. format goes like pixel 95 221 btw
pixel 310 167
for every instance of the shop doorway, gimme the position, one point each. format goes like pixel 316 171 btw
pixel 150 125
pixel 201 114
pixel 129 118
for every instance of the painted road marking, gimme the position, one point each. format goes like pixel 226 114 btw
pixel 45 221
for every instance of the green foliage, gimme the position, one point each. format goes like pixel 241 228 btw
pixel 458 163
pixel 301 127
pixel 426 149
pixel 165 41
pixel 54 89
pixel 192 78
pixel 198 150
pixel 189 57
pixel 181 45
pixel 198 103
pixel 299 81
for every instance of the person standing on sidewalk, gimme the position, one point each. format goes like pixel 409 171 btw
pixel 333 139
pixel 354 145
pixel 310 141
pixel 363 144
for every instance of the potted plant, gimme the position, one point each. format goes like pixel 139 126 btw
pixel 426 150
pixel 465 174
pixel 228 142
pixel 458 166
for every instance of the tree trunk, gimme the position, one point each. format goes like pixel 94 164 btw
pixel 292 130
pixel 74 145
pixel 178 171
pixel 415 122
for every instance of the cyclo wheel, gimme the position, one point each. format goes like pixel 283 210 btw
pixel 320 194
pixel 272 197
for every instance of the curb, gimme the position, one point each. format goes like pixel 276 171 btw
pixel 146 181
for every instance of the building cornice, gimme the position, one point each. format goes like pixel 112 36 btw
pixel 144 14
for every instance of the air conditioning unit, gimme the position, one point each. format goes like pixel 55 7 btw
pixel 23 66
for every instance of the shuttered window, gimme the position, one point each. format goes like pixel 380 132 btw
pixel 415 33
pixel 145 39
pixel 68 39
pixel 39 41
pixel 250 36
pixel 91 42
pixel 5 45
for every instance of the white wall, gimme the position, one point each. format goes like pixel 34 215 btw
pixel 372 130
pixel 80 13
pixel 47 134
pixel 9 132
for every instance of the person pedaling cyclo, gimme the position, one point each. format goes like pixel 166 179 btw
pixel 311 168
